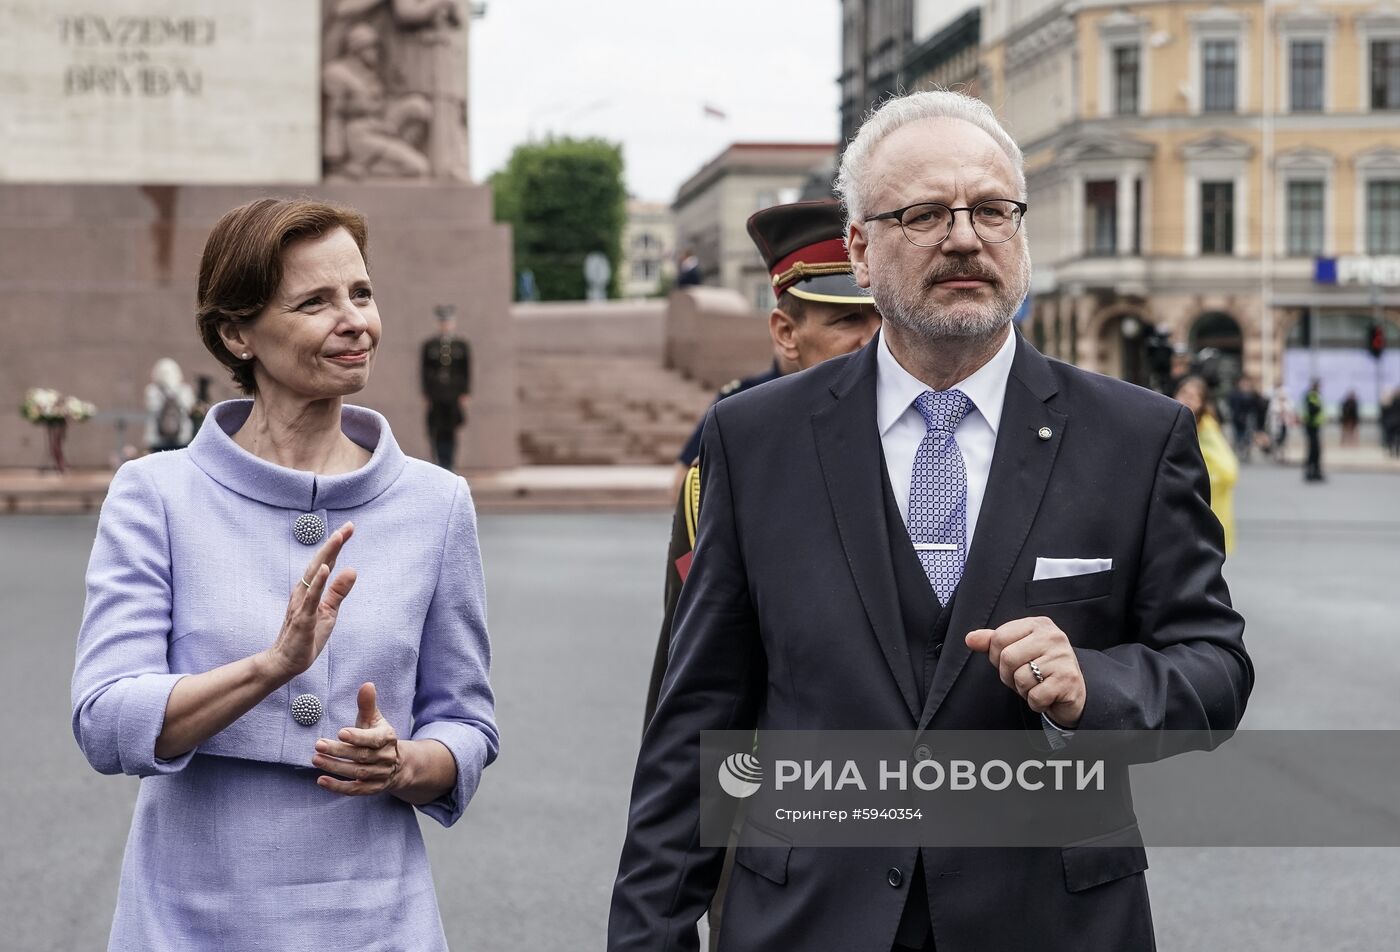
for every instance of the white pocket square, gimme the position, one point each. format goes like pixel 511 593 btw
pixel 1064 568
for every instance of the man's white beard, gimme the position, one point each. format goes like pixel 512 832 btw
pixel 901 303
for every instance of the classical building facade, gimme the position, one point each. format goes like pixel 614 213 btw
pixel 875 35
pixel 648 249
pixel 713 205
pixel 1227 173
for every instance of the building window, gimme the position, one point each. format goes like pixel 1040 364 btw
pixel 644 270
pixel 1385 74
pixel 1383 217
pixel 1304 222
pixel 1137 216
pixel 1217 218
pixel 1101 214
pixel 1218 75
pixel 1305 71
pixel 1125 80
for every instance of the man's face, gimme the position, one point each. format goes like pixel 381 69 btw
pixel 825 331
pixel 963 287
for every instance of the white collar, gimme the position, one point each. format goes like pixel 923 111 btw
pixel 896 388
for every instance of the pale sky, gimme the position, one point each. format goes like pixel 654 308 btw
pixel 640 71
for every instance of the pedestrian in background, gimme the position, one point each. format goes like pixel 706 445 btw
pixel 1351 418
pixel 447 385
pixel 1278 418
pixel 1245 418
pixel 1222 465
pixel 1314 416
pixel 1390 424
pixel 688 273
pixel 169 401
pixel 284 741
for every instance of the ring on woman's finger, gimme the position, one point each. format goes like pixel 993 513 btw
pixel 307 584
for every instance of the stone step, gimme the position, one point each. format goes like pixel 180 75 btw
pixel 591 410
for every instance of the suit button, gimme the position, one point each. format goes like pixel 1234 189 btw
pixel 309 529
pixel 923 752
pixel 895 877
pixel 306 709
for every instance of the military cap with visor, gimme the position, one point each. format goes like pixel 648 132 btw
pixel 803 245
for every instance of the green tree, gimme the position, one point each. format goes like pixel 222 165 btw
pixel 563 199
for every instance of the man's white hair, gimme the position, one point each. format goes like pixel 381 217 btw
pixel 902 110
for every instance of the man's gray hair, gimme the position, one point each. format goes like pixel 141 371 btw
pixel 902 110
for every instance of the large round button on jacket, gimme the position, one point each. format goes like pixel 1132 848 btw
pixel 306 709
pixel 309 529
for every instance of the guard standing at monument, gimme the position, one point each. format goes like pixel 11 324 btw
pixel 447 384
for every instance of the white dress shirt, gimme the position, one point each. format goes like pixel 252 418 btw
pixel 902 429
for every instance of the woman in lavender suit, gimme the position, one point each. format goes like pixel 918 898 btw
pixel 284 741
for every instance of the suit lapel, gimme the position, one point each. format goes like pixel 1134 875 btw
pixel 852 463
pixel 1020 471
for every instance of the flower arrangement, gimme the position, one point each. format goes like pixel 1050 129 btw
pixel 55 411
pixel 42 405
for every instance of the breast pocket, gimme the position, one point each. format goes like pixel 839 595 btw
pixel 1071 588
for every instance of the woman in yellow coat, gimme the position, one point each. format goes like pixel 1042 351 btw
pixel 1221 464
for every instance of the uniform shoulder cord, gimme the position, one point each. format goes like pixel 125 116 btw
pixel 691 495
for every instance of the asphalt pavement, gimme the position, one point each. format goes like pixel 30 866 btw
pixel 574 603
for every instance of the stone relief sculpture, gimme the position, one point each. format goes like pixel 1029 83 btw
pixel 366 134
pixel 394 89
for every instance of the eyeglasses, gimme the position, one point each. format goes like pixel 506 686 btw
pixel 928 224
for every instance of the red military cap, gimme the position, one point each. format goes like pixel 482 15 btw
pixel 802 245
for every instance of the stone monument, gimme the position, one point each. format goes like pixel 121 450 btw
pixel 127 127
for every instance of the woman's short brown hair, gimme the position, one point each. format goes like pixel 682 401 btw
pixel 242 265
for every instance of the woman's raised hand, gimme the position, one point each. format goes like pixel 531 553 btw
pixel 312 608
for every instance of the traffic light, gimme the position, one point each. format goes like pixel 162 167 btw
pixel 1375 339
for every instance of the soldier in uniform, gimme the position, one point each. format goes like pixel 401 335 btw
pixel 447 384
pixel 820 313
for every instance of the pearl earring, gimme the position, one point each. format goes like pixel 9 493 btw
pixel 246 355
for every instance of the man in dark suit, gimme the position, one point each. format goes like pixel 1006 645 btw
pixel 944 530
pixel 446 377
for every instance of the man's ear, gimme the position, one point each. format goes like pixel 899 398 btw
pixel 856 247
pixel 783 329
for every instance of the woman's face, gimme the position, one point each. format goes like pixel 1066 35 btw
pixel 317 337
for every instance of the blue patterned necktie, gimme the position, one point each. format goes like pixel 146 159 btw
pixel 938 491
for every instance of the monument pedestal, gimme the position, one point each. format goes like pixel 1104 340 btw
pixel 98 281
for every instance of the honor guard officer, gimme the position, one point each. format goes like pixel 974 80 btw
pixel 447 383
pixel 820 313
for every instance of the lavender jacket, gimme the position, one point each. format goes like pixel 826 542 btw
pixel 194 560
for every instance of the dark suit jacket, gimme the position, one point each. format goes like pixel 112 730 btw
pixel 790 620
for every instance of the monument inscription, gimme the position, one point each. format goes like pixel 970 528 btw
pixel 169 91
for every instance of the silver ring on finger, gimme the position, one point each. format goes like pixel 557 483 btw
pixel 1036 672
pixel 307 584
